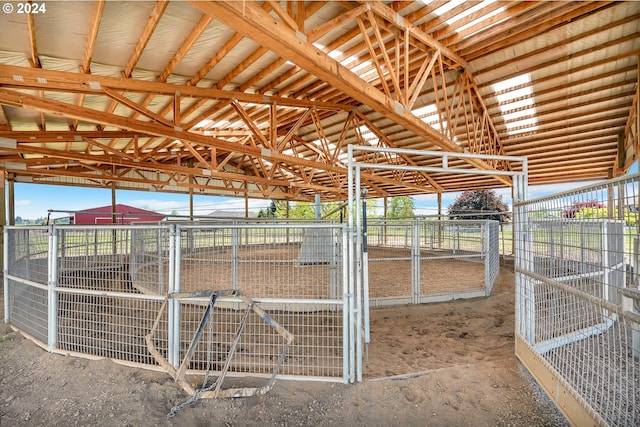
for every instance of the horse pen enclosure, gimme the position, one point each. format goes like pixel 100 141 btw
pixel 577 300
pixel 98 291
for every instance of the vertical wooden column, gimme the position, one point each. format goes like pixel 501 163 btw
pixel 113 203
pixel 11 220
pixel 246 199
pixel 190 198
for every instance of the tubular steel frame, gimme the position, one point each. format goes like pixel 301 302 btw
pixel 578 303
pixel 33 275
pixel 358 281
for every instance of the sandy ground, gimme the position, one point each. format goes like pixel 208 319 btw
pixel 446 364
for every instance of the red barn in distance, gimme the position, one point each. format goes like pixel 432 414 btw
pixel 124 215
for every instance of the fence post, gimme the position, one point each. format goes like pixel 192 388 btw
pixel 346 312
pixel 485 236
pixel 333 275
pixel 235 242
pixel 52 282
pixel 5 271
pixel 173 321
pixel 415 264
pixel 635 331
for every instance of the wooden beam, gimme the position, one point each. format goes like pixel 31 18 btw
pixel 221 52
pixel 4 122
pixel 33 45
pixel 187 44
pixel 286 18
pixel 252 21
pixel 22 100
pixel 147 32
pixel 121 99
pixel 81 83
pixel 392 16
pixel 94 26
pixel 52 136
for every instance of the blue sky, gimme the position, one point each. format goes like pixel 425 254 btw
pixel 35 200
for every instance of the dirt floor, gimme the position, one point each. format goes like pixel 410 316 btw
pixel 445 364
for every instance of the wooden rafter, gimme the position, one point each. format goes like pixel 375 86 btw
pixel 81 83
pixel 147 31
pixel 253 22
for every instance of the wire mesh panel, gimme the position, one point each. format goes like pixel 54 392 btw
pixel 26 264
pixel 109 326
pixel 391 261
pixel 101 290
pixel 492 254
pixel 28 309
pixel 578 302
pixel 317 350
pixel 294 271
pixel 431 260
pixel 150 259
pixel 263 261
pixel 93 258
pixel 452 257
pixel 27 252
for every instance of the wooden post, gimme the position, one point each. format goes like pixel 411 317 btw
pixel 113 203
pixel 12 200
pixel 190 201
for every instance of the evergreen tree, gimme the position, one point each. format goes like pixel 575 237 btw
pixel 479 204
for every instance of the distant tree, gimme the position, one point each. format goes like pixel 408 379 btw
pixel 18 220
pixel 302 210
pixel 268 212
pixel 577 206
pixel 401 207
pixel 307 210
pixel 479 204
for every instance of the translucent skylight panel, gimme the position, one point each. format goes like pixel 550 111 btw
pixel 521 97
pixel 447 7
pixel 368 136
pixel 363 64
pixel 517 93
pixel 204 123
pixel 429 115
pixel 517 114
pixel 522 79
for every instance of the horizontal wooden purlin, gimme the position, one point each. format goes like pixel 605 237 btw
pixel 252 21
pixel 538 141
pixel 561 134
pixel 66 136
pixel 589 145
pixel 156 182
pixel 62 81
